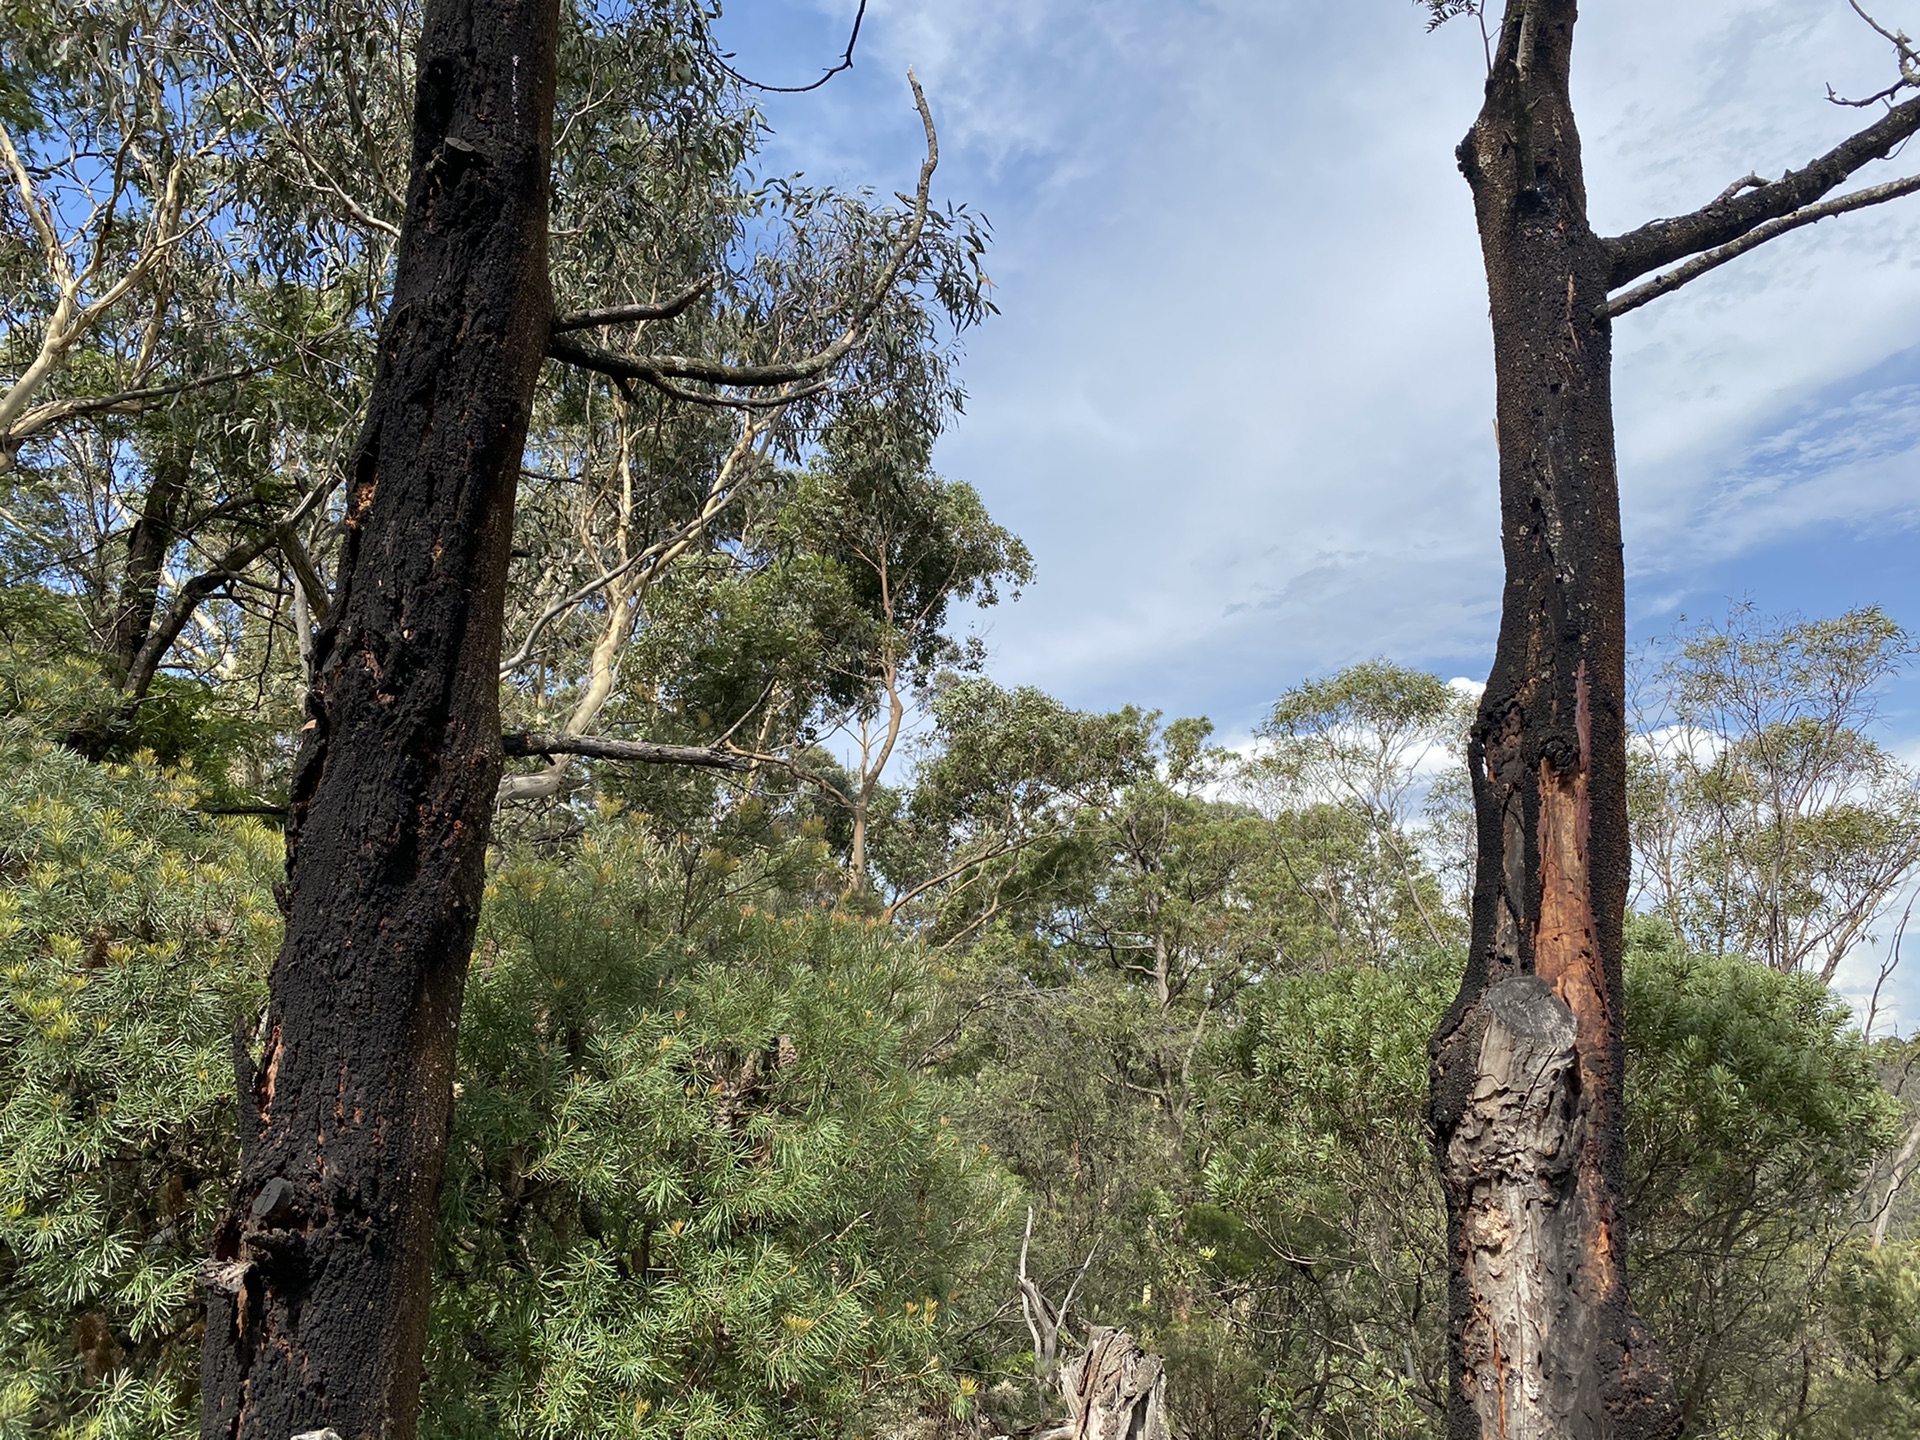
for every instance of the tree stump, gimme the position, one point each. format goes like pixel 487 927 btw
pixel 1114 1390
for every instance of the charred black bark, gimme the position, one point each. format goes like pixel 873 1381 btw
pixel 1545 1343
pixel 319 1284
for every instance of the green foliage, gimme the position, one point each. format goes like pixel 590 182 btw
pixel 134 936
pixel 1768 821
pixel 735 1158
pixel 1865 1378
pixel 699 1185
pixel 1323 1158
pixel 51 686
pixel 1360 746
pixel 1754 1113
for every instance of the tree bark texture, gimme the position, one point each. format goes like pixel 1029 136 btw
pixel 1545 1343
pixel 319 1285
pixel 1114 1390
pixel 148 542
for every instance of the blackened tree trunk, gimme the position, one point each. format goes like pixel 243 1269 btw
pixel 319 1285
pixel 1526 1066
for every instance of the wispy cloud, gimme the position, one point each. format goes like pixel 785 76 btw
pixel 1240 399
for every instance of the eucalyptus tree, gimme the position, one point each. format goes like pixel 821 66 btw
pixel 113 173
pixel 180 333
pixel 1768 821
pixel 1368 741
pixel 1526 1099
pixel 904 548
pixel 318 1283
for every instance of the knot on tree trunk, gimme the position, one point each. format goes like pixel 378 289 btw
pixel 1114 1390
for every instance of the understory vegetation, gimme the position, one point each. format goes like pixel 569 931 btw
pixel 850 1031
pixel 743 1151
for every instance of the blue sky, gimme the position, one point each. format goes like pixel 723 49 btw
pixel 1239 401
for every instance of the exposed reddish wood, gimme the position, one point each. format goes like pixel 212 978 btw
pixel 1545 1344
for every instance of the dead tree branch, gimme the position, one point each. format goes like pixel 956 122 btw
pixel 1903 50
pixel 644 752
pixel 663 371
pixel 1739 211
pixel 1671 280
pixel 845 61
pixel 633 314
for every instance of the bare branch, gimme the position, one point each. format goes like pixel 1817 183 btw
pixel 657 556
pixel 124 402
pixel 914 892
pixel 225 570
pixel 644 752
pixel 146 663
pixel 623 368
pixel 1699 265
pixel 633 314
pixel 1740 210
pixel 312 587
pixel 1903 51
pixel 660 371
pixel 845 63
pixel 623 601
pixel 795 769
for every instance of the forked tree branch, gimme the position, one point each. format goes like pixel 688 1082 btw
pixel 1671 280
pixel 40 417
pixel 797 771
pixel 196 591
pixel 1740 211
pixel 914 892
pixel 844 63
pixel 654 559
pixel 626 369
pixel 661 371
pixel 1902 48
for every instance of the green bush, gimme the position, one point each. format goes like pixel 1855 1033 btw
pixel 699 1185
pixel 134 935
pixel 1753 1111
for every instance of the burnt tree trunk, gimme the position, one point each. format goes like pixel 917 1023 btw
pixel 1545 1343
pixel 318 1290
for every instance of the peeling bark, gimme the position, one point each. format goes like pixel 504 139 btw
pixel 1114 1391
pixel 318 1287
pixel 1511 1157
pixel 1545 1343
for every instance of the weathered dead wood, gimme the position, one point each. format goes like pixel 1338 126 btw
pixel 1509 1169
pixel 644 752
pixel 1113 1390
pixel 1046 1322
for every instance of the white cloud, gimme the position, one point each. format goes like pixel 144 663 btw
pixel 1239 401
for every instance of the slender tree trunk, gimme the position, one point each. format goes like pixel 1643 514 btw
pixel 1544 1341
pixel 319 1282
pixel 152 536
